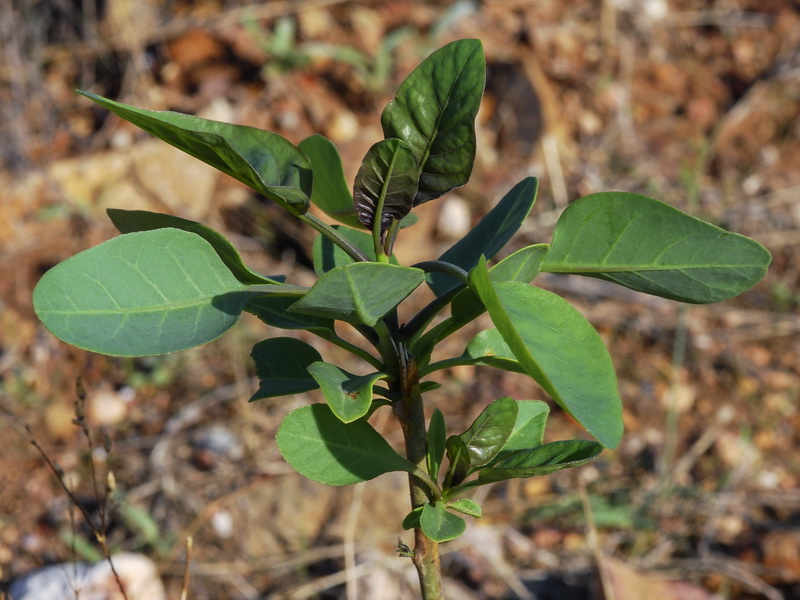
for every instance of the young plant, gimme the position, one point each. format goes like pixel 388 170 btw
pixel 168 284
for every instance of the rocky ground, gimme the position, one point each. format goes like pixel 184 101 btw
pixel 694 102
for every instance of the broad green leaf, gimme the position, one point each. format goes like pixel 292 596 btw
pixel 265 161
pixel 439 524
pixel 319 446
pixel 281 366
pixel 466 506
pixel 130 221
pixel 541 460
pixel 330 192
pixel 360 293
pixel 528 430
pixel 327 255
pixel 385 184
pixel 150 292
pixel 349 396
pixel 458 455
pixel 651 247
pixel 490 235
pixel 490 430
pixel 437 437
pixel 559 348
pixel 434 112
pixel 274 310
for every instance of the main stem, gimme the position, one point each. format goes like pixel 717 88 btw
pixel 409 410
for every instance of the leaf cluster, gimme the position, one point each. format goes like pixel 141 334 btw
pixel 168 284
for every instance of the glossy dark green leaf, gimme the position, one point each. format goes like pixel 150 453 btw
pixel 281 366
pixel 265 161
pixel 651 247
pixel 434 112
pixel 360 293
pixel 274 310
pixel 528 430
pixel 330 192
pixel 458 455
pixel 385 184
pixel 439 524
pixel 556 346
pixel 541 460
pixel 490 235
pixel 150 292
pixel 437 437
pixel 349 396
pixel 319 446
pixel 466 506
pixel 130 221
pixel 411 520
pixel 488 433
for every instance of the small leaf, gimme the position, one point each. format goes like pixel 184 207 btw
pixel 651 247
pixel 434 112
pixel 528 430
pixel 466 506
pixel 281 366
pixel 490 349
pixel 360 293
pixel 265 161
pixel 385 184
pixel 327 255
pixel 319 446
pixel 542 460
pixel 439 524
pixel 129 221
pixel 411 520
pixel 274 310
pixel 144 293
pixel 490 430
pixel 559 348
pixel 458 455
pixel 349 396
pixel 490 235
pixel 437 437
pixel 330 193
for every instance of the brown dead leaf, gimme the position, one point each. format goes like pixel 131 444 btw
pixel 623 582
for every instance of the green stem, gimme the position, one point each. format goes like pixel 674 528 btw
pixel 440 266
pixel 352 251
pixel 409 410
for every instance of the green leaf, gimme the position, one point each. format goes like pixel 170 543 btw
pixel 651 247
pixel 319 446
pixel 458 455
pixel 437 437
pixel 556 346
pixel 349 396
pixel 265 161
pixel 466 506
pixel 490 430
pixel 330 193
pixel 360 293
pixel 439 524
pixel 490 235
pixel 411 520
pixel 434 112
pixel 541 460
pixel 385 184
pixel 281 366
pixel 130 221
pixel 327 255
pixel 528 430
pixel 144 293
pixel 490 349
pixel 274 310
